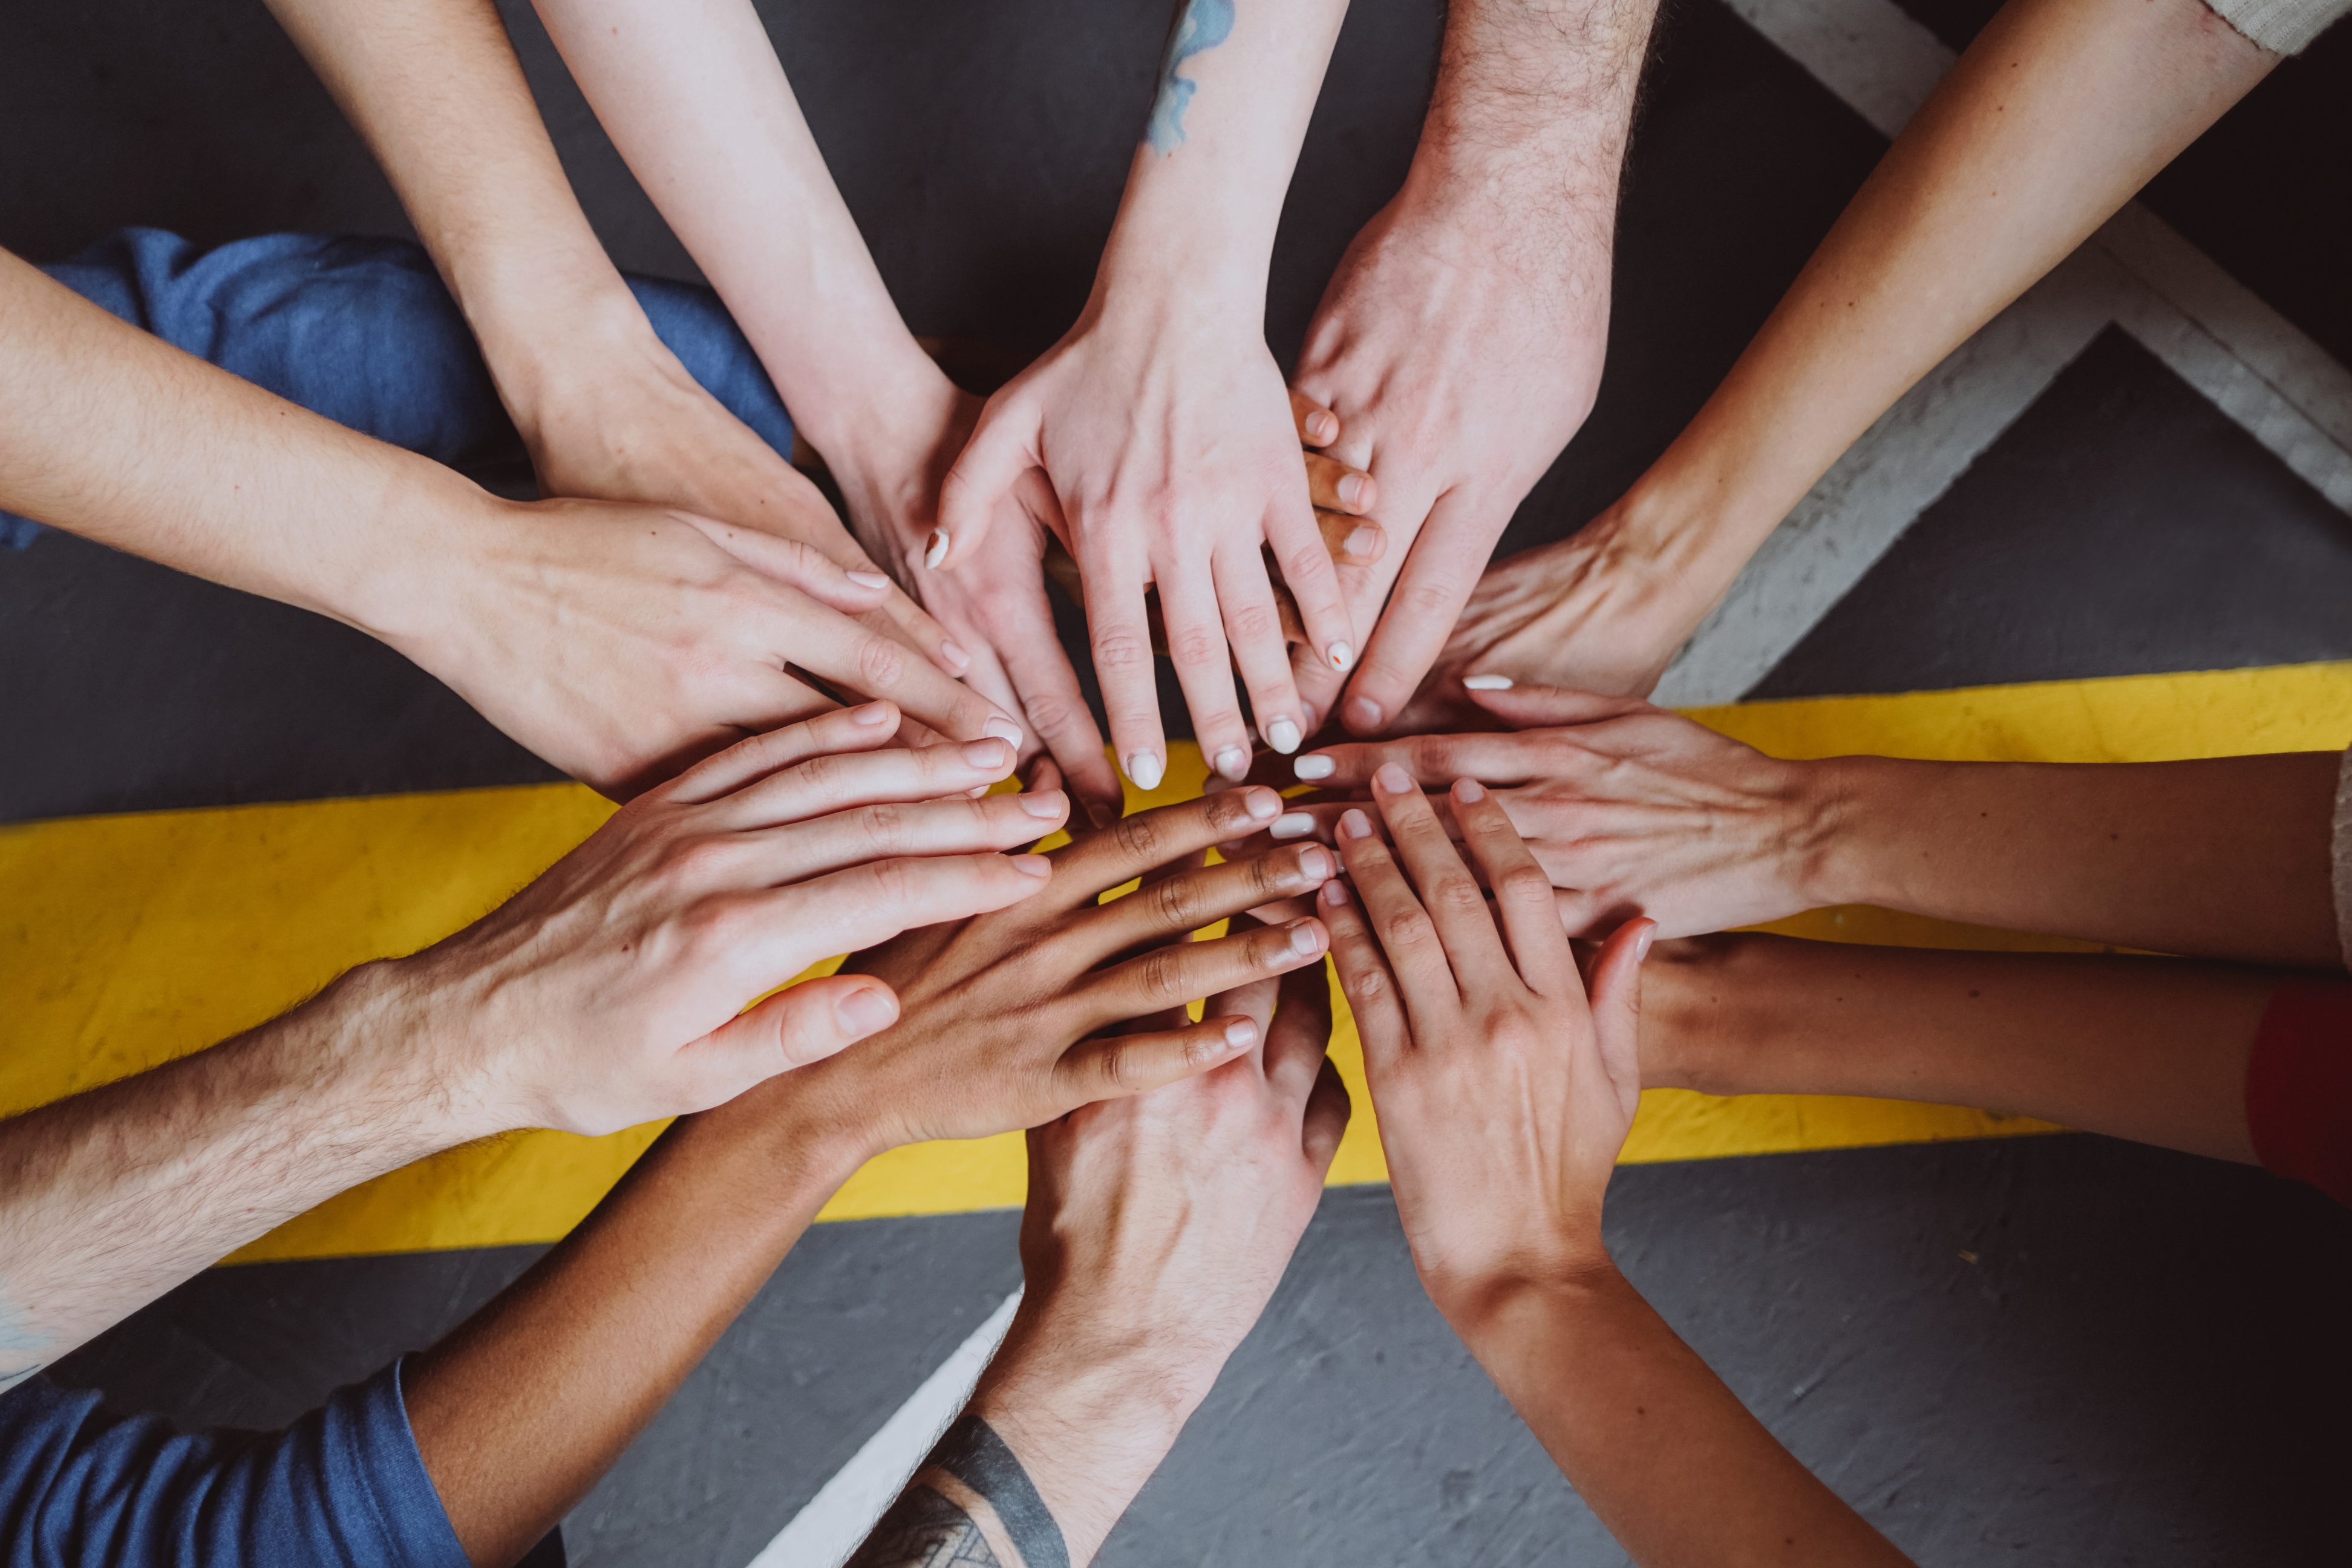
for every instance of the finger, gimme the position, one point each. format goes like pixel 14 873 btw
pixel 1440 570
pixel 1317 426
pixel 1313 582
pixel 773 935
pixel 851 589
pixel 1544 706
pixel 1524 904
pixel 1094 865
pixel 1120 636
pixel 1436 760
pixel 1616 1001
pixel 1299 1033
pixel 844 729
pixel 1004 446
pixel 858 658
pixel 1189 605
pixel 1333 485
pixel 1407 936
pixel 1183 972
pixel 840 781
pixel 1326 1121
pixel 846 838
pixel 1374 999
pixel 805 1024
pixel 1114 1067
pixel 1448 891
pixel 1174 907
pixel 1254 627
pixel 1055 705
pixel 1352 541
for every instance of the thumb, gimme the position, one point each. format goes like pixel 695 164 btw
pixel 1542 707
pixel 1003 447
pixel 804 1024
pixel 1615 992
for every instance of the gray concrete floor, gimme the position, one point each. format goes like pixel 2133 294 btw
pixel 2145 1365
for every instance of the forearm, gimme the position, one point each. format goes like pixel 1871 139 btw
pixel 111 1198
pixel 110 433
pixel 2226 858
pixel 693 95
pixel 1632 1415
pixel 2058 112
pixel 520 1410
pixel 437 94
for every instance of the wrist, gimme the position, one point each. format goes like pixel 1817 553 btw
pixel 1487 1307
pixel 1836 853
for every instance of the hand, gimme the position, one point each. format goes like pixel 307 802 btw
pixel 608 412
pixel 1462 345
pixel 1168 444
pixel 1503 1094
pixel 610 992
pixel 623 642
pixel 1003 1019
pixel 1630 810
pixel 1156 1229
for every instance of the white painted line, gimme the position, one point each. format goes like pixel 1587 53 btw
pixel 823 1533
pixel 2206 327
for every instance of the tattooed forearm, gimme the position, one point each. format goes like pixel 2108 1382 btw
pixel 970 1505
pixel 1201 26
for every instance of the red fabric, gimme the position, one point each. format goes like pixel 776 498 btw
pixel 2299 1086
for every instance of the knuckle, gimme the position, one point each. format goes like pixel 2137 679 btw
pixel 1312 564
pixel 1406 928
pixel 881 662
pixel 884 827
pixel 1160 975
pixel 1121 653
pixel 1252 622
pixel 1524 884
pixel 1456 893
pixel 1139 838
pixel 1193 645
pixel 1173 901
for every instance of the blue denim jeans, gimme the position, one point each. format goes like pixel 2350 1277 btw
pixel 362 331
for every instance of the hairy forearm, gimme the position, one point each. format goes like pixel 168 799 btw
pixel 2147 1048
pixel 112 1197
pixel 110 433
pixel 1533 103
pixel 1630 1414
pixel 2058 112
pixel 2226 858
pixel 518 1411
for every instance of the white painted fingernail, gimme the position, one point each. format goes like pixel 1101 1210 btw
pixel 1146 769
pixel 1314 768
pixel 938 549
pixel 1004 729
pixel 1292 824
pixel 1486 683
pixel 1233 761
pixel 869 580
pixel 1282 736
pixel 1341 655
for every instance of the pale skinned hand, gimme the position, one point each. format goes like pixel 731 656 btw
pixel 1630 810
pixel 1167 437
pixel 1460 357
pixel 1003 1019
pixel 610 990
pixel 622 642
pixel 1503 1091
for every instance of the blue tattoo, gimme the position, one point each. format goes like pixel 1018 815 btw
pixel 1201 26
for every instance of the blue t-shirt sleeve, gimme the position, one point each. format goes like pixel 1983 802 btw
pixel 344 1485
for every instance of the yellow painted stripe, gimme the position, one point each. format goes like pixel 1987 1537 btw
pixel 125 941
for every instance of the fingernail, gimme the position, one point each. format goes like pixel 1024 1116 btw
pixel 1233 761
pixel 936 550
pixel 1363 713
pixel 955 656
pixel 869 580
pixel 1261 803
pixel 1360 542
pixel 992 755
pixel 1333 894
pixel 1047 804
pixel 1241 1034
pixel 1642 943
pixel 1146 769
pixel 873 713
pixel 1302 937
pixel 1322 427
pixel 1486 683
pixel 1036 865
pixel 1004 729
pixel 1291 824
pixel 1316 863
pixel 1314 767
pixel 1469 791
pixel 1354 823
pixel 1341 655
pixel 1352 490
pixel 1392 779
pixel 1282 736
pixel 865 1011
pixel 1101 813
